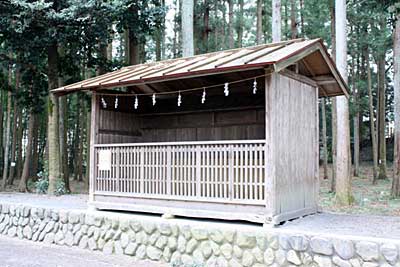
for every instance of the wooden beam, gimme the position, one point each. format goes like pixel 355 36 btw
pixel 298 77
pixel 278 66
pixel 119 132
pixel 334 71
pixel 325 79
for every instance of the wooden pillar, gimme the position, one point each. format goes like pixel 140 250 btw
pixel 94 127
pixel 269 169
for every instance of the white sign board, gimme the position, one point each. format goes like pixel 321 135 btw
pixel 105 160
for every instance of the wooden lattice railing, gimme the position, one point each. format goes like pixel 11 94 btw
pixel 223 171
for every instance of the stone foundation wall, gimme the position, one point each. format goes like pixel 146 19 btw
pixel 192 243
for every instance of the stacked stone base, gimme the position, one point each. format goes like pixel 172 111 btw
pixel 188 243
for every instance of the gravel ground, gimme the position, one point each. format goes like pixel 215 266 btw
pixel 327 223
pixel 22 253
pixel 73 201
pixel 347 224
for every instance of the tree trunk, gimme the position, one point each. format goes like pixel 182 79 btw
pixel 35 152
pixel 64 141
pixel 8 129
pixel 20 133
pixel 216 26
pixel 53 120
pixel 259 21
pixel 225 40
pixel 126 46
pixel 22 187
pixel 76 150
pixel 302 17
pixel 187 28
pixel 334 144
pixel 110 48
pixel 231 40
pixel 175 39
pixel 14 130
pixel 88 124
pixel 372 124
pixel 293 22
pixel 396 62
pixel 1 129
pixel 103 54
pixel 324 142
pixel 240 24
pixel 343 180
pixel 356 122
pixel 276 21
pixel 206 26
pixel 81 127
pixel 163 33
pixel 333 106
pixel 381 118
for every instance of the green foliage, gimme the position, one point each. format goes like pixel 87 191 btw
pixel 42 184
pixel 60 188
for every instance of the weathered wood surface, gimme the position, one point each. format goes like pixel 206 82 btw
pixel 292 145
pixel 118 127
pixel 220 172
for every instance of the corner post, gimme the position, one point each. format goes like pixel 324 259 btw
pixel 269 169
pixel 94 118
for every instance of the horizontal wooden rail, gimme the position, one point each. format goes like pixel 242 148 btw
pixel 231 172
pixel 222 142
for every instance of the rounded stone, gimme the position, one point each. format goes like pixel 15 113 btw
pixel 321 245
pixel 141 252
pixel 237 252
pixel 176 258
pixel 298 242
pixel 293 257
pixel 258 255
pixel 246 240
pixel 108 248
pixel 165 229
pixel 153 253
pixel 161 242
pixel 181 244
pixel 344 248
pixel 206 250
pixel 191 246
pixel 167 254
pixel 93 245
pixel 340 263
pixel 186 232
pixel 49 238
pixel 247 259
pixel 130 249
pixel 368 251
pixel 280 257
pixel 389 252
pixel 323 261
pixel 172 243
pixel 216 236
pixel 198 257
pixel 229 235
pixel 135 225
pixel 199 233
pixel 73 217
pixel 226 250
pixel 269 256
pixel 59 238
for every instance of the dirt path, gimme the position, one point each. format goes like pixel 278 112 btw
pixel 22 253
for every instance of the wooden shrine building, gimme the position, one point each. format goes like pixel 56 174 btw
pixel 228 135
